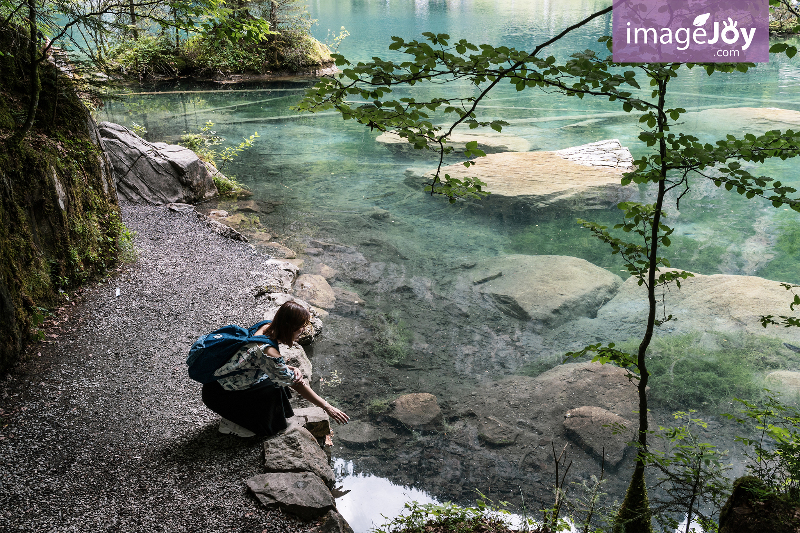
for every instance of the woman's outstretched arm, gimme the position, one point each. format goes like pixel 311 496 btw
pixel 306 392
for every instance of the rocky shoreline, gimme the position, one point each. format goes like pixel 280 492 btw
pixel 102 430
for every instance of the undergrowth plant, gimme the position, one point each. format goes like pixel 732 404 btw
pixel 204 144
pixel 775 450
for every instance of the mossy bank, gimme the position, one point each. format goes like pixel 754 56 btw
pixel 59 218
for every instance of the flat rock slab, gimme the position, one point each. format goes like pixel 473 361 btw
pixel 720 302
pixel 579 178
pixel 418 411
pixel 545 288
pixel 296 450
pixel 300 493
pixel 358 434
pixel 490 142
pixel 314 419
pixel 600 432
pixel 155 173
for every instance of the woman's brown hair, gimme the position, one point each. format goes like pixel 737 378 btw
pixel 290 317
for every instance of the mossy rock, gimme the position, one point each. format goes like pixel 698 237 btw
pixel 753 508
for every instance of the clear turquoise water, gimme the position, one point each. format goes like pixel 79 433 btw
pixel 328 175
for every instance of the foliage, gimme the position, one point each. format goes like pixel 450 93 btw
pixel 784 16
pixel 203 144
pixel 146 56
pixel 691 475
pixel 485 516
pixel 775 455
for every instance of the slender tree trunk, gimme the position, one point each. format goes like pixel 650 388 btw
pixel 35 84
pixel 132 10
pixel 634 515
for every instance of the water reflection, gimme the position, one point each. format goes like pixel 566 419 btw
pixel 371 500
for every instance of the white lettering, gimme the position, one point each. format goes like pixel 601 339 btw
pixel 701 33
pixel 645 31
pixel 666 32
pixel 716 34
pixel 747 39
pixel 730 26
pixel 685 41
pixel 629 33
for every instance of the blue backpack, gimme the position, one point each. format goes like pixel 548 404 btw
pixel 213 350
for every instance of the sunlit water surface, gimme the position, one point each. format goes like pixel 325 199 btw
pixel 321 177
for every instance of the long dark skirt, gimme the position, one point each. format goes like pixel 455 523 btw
pixel 262 409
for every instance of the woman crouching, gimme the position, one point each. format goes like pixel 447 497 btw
pixel 252 396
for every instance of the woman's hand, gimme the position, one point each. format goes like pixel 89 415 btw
pixel 298 374
pixel 337 414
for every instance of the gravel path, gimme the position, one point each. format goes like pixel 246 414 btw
pixel 101 430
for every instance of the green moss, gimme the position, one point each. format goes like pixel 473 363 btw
pixel 706 371
pixel 48 243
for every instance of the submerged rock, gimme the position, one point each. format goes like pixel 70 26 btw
pixel 491 142
pixel 719 302
pixel 579 178
pixel 600 432
pixel 300 493
pixel 545 288
pixel 358 434
pixel 741 120
pixel 418 411
pixel 787 379
pixel 495 432
pixel 525 415
pixel 155 173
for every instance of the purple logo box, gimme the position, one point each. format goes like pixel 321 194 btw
pixel 691 31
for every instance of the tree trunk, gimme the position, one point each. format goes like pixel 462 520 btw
pixel 134 29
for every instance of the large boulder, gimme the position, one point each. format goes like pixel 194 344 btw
pixel 316 290
pixel 155 173
pixel 418 411
pixel 545 288
pixel 579 178
pixel 296 450
pixel 300 493
pixel 720 302
pixel 600 432
pixel 490 142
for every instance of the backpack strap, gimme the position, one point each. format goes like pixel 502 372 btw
pixel 263 339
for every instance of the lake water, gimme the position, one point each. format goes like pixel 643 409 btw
pixel 320 178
